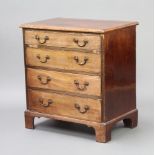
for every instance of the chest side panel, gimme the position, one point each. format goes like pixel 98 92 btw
pixel 119 72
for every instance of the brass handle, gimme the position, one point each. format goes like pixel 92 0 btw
pixel 80 43
pixel 44 79
pixel 45 104
pixel 81 87
pixel 41 40
pixel 82 62
pixel 43 60
pixel 81 110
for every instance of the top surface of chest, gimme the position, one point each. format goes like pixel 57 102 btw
pixel 79 25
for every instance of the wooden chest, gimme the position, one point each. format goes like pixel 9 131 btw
pixel 81 71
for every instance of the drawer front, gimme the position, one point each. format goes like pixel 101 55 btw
pixel 68 60
pixel 63 39
pixel 75 83
pixel 65 105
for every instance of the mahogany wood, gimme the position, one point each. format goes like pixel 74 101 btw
pixel 120 72
pixel 102 130
pixel 60 39
pixel 64 81
pixel 64 105
pixel 79 25
pixel 66 60
pixel 81 71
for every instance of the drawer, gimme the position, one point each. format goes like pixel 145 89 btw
pixel 68 82
pixel 68 60
pixel 65 105
pixel 85 41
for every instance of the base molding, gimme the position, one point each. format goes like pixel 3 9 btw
pixel 102 129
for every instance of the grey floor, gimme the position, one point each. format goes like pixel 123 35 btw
pixel 56 137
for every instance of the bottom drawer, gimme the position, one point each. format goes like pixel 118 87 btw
pixel 65 105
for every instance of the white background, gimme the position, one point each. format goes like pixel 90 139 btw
pixel 51 137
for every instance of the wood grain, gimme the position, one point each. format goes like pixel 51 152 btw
pixel 79 25
pixel 63 60
pixel 64 105
pixel 102 130
pixel 62 39
pixel 64 81
pixel 29 121
pixel 97 92
pixel 119 72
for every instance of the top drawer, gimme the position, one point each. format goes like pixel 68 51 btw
pixel 83 41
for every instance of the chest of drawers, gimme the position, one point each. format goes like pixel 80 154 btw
pixel 81 71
